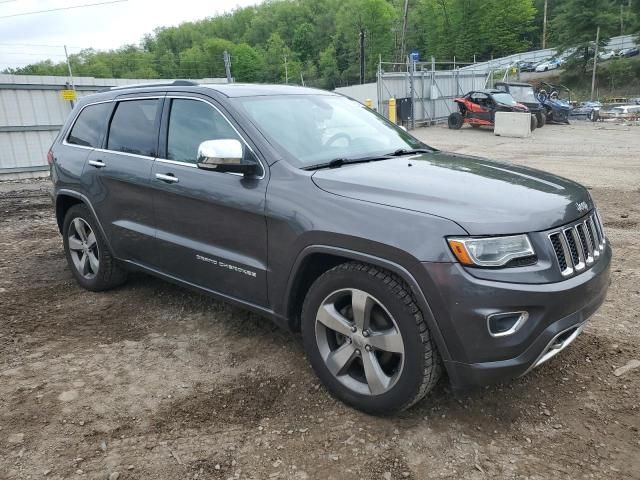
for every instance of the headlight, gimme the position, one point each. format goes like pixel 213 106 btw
pixel 490 251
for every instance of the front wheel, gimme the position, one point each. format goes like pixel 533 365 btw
pixel 455 121
pixel 534 122
pixel 367 340
pixel 541 118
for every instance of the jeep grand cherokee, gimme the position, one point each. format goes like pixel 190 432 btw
pixel 395 260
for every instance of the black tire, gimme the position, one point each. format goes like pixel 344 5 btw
pixel 109 273
pixel 541 118
pixel 455 121
pixel 534 122
pixel 421 366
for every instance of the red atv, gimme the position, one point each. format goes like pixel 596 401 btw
pixel 479 107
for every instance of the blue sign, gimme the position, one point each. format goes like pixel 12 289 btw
pixel 414 55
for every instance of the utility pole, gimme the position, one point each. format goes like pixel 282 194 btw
pixel 621 19
pixel 361 56
pixel 73 87
pixel 227 65
pixel 404 29
pixel 595 63
pixel 69 67
pixel 286 71
pixel 544 25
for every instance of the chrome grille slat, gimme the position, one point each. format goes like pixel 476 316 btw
pixel 595 241
pixel 578 245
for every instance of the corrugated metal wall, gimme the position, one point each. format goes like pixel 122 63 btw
pixel 32 111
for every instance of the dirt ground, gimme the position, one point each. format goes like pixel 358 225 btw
pixel 151 381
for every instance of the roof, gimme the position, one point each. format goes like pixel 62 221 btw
pixel 254 89
pixel 515 84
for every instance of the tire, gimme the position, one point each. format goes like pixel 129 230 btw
pixel 394 381
pixel 541 118
pixel 455 121
pixel 88 255
pixel 534 122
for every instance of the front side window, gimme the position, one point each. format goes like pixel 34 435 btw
pixel 192 122
pixel 133 127
pixel 312 129
pixel 90 125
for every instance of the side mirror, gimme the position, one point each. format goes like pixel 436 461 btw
pixel 224 156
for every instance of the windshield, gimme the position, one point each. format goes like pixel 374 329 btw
pixel 504 98
pixel 314 129
pixel 522 93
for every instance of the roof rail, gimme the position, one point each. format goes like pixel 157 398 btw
pixel 174 83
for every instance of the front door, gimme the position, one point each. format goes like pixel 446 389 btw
pixel 211 228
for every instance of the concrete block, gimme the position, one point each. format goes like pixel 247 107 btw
pixel 512 124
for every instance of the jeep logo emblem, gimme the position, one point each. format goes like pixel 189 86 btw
pixel 582 206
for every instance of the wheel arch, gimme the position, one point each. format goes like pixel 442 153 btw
pixel 315 260
pixel 65 199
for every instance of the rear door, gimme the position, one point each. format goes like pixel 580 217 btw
pixel 211 225
pixel 118 177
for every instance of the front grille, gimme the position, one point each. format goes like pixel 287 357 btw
pixel 578 246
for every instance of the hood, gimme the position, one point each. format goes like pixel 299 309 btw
pixel 483 196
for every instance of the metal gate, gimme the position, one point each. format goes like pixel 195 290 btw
pixel 423 94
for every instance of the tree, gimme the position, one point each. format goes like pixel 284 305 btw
pixel 373 17
pixel 578 20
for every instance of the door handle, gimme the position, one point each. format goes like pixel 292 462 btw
pixel 97 163
pixel 169 178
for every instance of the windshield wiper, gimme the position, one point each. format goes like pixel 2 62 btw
pixel 408 151
pixel 338 162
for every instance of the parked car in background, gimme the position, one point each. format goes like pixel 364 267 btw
pixel 525 66
pixel 478 108
pixel 606 55
pixel 587 109
pixel 548 65
pixel 395 260
pixel 620 112
pixel 629 52
pixel 524 94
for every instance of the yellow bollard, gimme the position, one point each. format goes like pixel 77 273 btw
pixel 392 110
pixel 369 103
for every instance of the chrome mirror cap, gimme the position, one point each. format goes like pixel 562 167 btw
pixel 225 155
pixel 216 153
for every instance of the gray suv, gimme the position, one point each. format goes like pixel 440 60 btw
pixel 394 260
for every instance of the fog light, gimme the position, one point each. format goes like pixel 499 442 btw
pixel 506 323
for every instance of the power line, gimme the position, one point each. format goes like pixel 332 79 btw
pixel 62 8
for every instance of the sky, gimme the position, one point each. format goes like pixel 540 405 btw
pixel 30 38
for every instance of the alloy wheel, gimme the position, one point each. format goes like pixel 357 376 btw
pixel 83 248
pixel 359 341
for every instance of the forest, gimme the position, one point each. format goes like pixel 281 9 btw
pixel 317 42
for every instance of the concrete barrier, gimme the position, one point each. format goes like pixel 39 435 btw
pixel 511 124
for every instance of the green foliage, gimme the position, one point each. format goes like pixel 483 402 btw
pixel 320 38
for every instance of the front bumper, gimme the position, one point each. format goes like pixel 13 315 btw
pixel 557 314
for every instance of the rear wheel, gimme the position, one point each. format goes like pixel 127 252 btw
pixel 455 121
pixel 541 118
pixel 367 340
pixel 87 253
pixel 534 122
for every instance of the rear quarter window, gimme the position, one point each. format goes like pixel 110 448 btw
pixel 89 127
pixel 133 127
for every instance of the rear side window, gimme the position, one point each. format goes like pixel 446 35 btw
pixel 133 127
pixel 190 123
pixel 90 125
